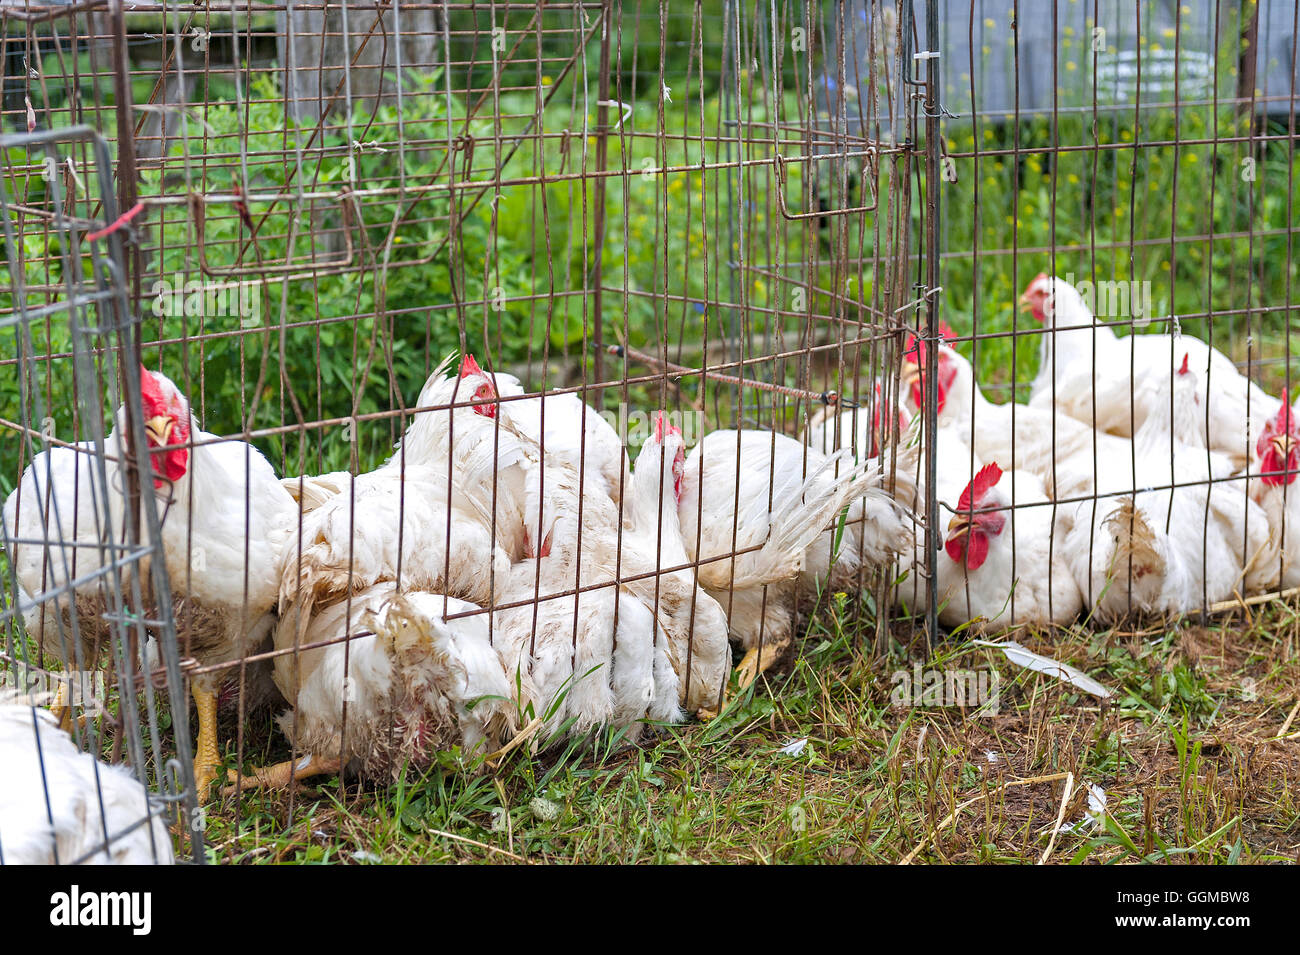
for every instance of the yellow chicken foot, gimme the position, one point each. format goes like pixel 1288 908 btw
pixel 61 709
pixel 206 759
pixel 747 671
pixel 281 775
pixel 755 663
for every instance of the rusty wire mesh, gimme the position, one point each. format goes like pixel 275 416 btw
pixel 90 561
pixel 739 212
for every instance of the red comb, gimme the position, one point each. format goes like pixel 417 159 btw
pixel 914 347
pixel 1184 369
pixel 663 426
pixel 984 481
pixel 468 366
pixel 149 389
pixel 1282 423
pixel 1040 277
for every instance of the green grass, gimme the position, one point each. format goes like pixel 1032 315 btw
pixel 1182 751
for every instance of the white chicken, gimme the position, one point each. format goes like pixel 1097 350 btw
pixel 694 622
pixel 429 518
pixel 600 655
pixel 383 682
pixel 1116 389
pixel 595 658
pixel 60 806
pixel 956 465
pixel 1078 358
pixel 854 428
pixel 487 516
pixel 469 439
pixel 1277 462
pixel 63 502
pixel 574 431
pixel 388 525
pixel 763 503
pixel 227 524
pixel 1069 457
pixel 1183 543
pixel 423 683
pixel 998 568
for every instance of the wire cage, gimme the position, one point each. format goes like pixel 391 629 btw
pixel 1142 155
pixel 676 210
pixel 364 240
pixel 87 545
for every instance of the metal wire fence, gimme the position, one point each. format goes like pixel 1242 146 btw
pixel 789 219
pixel 84 566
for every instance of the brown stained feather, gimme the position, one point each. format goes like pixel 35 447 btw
pixel 1135 541
pixel 423 719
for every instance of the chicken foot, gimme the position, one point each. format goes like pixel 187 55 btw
pixel 751 666
pixel 62 709
pixel 281 775
pixel 206 758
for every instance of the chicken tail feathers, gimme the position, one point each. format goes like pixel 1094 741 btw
pixel 1137 568
pixel 311 492
pixel 796 522
pixel 456 682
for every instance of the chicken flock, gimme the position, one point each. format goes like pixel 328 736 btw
pixel 1164 488
pixel 505 575
pixel 508 577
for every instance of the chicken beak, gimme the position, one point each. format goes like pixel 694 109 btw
pixel 958 525
pixel 911 373
pixel 1282 444
pixel 159 429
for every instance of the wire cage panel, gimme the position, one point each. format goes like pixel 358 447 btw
pixel 87 609
pixel 317 204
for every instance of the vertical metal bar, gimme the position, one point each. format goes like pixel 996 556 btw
pixel 730 86
pixel 128 331
pixel 931 226
pixel 598 227
pixel 127 186
pixel 1247 59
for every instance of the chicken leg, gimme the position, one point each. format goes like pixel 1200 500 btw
pixel 62 709
pixel 751 665
pixel 281 775
pixel 206 759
